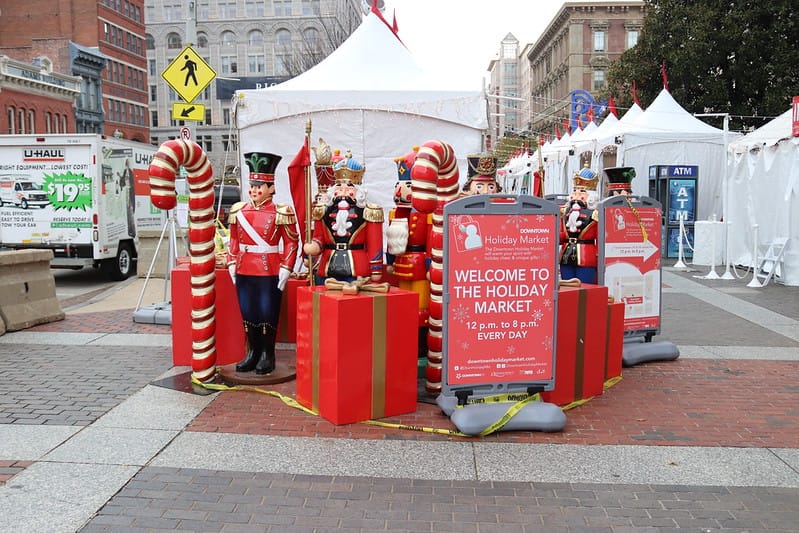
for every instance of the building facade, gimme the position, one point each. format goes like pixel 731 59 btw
pixel 101 42
pixel 249 44
pixel 573 52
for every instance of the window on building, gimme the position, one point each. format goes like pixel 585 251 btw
pixel 254 8
pixel 256 63
pixel 226 116
pixel 227 9
pixel 229 143
pixel 153 94
pixel 632 38
pixel 229 64
pixel 48 122
pixel 312 40
pixel 208 123
pixel 149 41
pixel 21 120
pixel 509 51
pixel 12 113
pixel 151 67
pixel 173 11
pixel 202 9
pixel 600 37
pixel 310 7
pixel 228 39
pixel 64 124
pixel 202 40
pixel 282 8
pixel 282 62
pixel 255 38
pixel 599 80
pixel 283 37
pixel 173 41
pixel 172 95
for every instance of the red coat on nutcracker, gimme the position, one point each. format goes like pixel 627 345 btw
pixel 348 234
pixel 256 262
pixel 408 236
pixel 579 229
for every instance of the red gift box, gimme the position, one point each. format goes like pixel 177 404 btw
pixel 356 354
pixel 287 325
pixel 230 339
pixel 581 344
pixel 615 340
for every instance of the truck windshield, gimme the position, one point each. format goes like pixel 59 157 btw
pixel 29 186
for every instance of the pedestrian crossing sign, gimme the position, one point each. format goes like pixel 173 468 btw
pixel 189 74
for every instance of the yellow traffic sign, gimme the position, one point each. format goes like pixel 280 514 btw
pixel 188 74
pixel 195 112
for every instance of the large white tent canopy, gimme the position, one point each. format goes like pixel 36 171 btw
pixel 764 187
pixel 370 97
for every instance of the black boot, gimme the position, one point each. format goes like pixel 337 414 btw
pixel 253 349
pixel 266 364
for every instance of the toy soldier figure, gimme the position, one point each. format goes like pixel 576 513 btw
pixel 481 176
pixel 408 236
pixel 579 229
pixel 258 267
pixel 620 180
pixel 349 232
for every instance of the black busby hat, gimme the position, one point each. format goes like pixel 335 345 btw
pixel 620 178
pixel 262 167
pixel 481 168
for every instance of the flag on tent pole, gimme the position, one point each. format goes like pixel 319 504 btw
pixel 665 77
pixel 612 106
pixel 635 95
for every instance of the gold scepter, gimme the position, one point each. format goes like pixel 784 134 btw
pixel 308 202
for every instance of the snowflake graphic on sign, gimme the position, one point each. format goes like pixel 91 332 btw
pixel 68 191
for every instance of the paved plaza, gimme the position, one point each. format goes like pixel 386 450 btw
pixel 99 432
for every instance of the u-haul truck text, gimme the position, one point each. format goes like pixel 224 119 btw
pixel 83 196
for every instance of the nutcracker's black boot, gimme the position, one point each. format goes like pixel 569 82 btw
pixel 253 349
pixel 266 364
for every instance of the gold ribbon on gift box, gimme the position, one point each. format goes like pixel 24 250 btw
pixel 354 287
pixel 379 342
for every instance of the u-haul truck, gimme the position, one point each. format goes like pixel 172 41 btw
pixel 83 196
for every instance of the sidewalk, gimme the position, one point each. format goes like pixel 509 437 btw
pixel 98 432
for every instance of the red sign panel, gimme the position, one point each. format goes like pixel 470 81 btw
pixel 632 263
pixel 501 280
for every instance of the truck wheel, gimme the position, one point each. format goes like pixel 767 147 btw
pixel 24 203
pixel 121 267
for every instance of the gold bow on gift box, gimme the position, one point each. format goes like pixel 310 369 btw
pixel 353 287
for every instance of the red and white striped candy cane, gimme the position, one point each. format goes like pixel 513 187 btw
pixel 170 157
pixel 434 182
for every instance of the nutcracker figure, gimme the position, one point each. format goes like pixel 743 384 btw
pixel 348 233
pixel 481 177
pixel 408 235
pixel 620 180
pixel 579 229
pixel 257 265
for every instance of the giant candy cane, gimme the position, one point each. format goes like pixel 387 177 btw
pixel 170 157
pixel 434 181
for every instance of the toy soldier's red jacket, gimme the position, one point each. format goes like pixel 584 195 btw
pixel 357 253
pixel 579 248
pixel 271 223
pixel 412 264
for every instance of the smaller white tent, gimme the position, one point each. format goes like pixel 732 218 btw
pixel 667 134
pixel 763 192
pixel 370 97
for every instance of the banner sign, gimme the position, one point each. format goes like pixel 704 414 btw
pixel 500 292
pixel 629 259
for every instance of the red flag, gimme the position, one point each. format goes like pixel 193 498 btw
pixel 394 26
pixel 590 115
pixel 665 77
pixel 297 176
pixel 612 106
pixel 566 127
pixel 557 131
pixel 635 95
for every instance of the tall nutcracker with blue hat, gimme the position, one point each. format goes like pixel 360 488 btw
pixel 579 229
pixel 257 264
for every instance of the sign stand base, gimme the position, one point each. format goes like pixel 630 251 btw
pixel 475 418
pixel 636 351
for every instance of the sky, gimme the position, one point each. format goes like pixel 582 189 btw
pixel 459 38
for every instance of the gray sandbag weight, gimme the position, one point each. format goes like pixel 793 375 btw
pixel 27 289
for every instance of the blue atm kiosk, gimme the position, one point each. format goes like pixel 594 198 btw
pixel 674 186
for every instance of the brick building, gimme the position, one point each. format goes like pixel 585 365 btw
pixel 100 41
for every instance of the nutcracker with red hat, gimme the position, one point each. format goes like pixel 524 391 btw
pixel 348 233
pixel 620 180
pixel 257 265
pixel 481 175
pixel 408 236
pixel 579 229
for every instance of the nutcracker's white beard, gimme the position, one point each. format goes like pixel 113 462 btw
pixel 397 236
pixel 342 219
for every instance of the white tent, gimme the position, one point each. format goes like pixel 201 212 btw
pixel 666 134
pixel 764 186
pixel 370 97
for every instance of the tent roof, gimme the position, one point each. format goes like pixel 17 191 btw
pixel 373 70
pixel 665 115
pixel 768 134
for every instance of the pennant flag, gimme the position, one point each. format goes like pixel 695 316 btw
pixel 590 115
pixel 612 106
pixel 665 77
pixel 297 177
pixel 635 95
pixel 566 127
pixel 394 26
pixel 557 131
